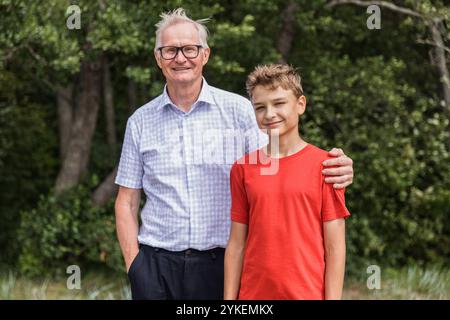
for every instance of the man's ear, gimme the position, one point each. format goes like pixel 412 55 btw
pixel 157 58
pixel 206 53
pixel 301 105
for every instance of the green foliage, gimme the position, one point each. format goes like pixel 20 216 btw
pixel 67 230
pixel 398 141
pixel 27 166
pixel 138 74
pixel 373 93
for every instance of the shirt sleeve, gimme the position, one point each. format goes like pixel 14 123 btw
pixel 130 171
pixel 239 201
pixel 255 139
pixel 333 203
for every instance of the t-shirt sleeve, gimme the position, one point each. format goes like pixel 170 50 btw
pixel 239 200
pixel 130 171
pixel 333 203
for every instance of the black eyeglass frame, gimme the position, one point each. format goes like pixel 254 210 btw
pixel 182 51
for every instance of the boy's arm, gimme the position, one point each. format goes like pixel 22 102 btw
pixel 234 257
pixel 334 240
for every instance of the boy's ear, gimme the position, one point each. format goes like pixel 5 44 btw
pixel 301 105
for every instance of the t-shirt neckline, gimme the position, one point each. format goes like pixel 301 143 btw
pixel 291 156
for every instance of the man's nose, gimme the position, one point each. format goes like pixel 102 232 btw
pixel 180 57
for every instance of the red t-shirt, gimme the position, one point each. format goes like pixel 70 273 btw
pixel 284 255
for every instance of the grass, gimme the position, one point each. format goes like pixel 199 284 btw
pixel 411 283
pixel 408 283
pixel 98 286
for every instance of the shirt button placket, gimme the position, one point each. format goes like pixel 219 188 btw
pixel 187 147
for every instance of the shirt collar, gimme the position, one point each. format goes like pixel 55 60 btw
pixel 205 96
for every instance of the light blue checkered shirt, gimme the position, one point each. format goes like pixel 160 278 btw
pixel 183 162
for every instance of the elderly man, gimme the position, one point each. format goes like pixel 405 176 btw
pixel 178 252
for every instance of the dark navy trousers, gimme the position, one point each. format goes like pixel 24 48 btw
pixel 158 274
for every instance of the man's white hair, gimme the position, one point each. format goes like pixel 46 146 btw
pixel 179 16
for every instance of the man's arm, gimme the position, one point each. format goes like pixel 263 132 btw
pixel 127 226
pixel 234 257
pixel 342 176
pixel 334 241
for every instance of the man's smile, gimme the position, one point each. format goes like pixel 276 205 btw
pixel 180 69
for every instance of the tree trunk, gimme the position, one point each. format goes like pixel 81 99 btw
pixel 440 60
pixel 143 92
pixel 108 95
pixel 287 32
pixel 75 163
pixel 106 190
pixel 132 96
pixel 65 115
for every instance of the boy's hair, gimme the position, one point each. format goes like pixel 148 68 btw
pixel 179 16
pixel 273 76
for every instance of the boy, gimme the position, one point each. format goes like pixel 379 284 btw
pixel 287 239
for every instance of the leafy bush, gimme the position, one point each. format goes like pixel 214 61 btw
pixel 27 167
pixel 67 230
pixel 398 140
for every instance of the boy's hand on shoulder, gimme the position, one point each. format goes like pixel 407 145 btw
pixel 342 174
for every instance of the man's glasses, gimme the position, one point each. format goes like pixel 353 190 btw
pixel 189 51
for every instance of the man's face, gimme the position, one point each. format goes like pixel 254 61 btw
pixel 277 109
pixel 182 70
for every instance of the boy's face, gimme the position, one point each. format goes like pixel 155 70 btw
pixel 277 109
